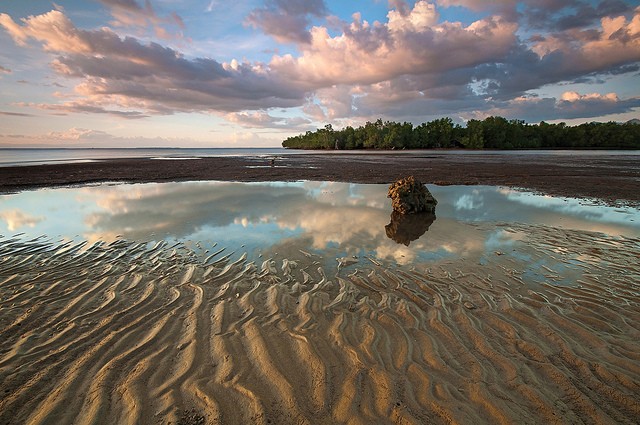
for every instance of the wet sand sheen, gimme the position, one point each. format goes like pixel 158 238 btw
pixel 152 333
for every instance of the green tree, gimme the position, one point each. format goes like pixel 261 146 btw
pixel 474 139
pixel 493 133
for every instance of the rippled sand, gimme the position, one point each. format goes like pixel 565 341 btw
pixel 142 333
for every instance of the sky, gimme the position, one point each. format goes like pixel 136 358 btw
pixel 213 73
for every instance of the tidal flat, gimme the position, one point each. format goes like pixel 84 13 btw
pixel 309 302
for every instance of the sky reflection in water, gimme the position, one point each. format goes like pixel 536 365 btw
pixel 326 219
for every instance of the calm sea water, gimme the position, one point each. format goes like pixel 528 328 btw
pixel 10 157
pixel 33 156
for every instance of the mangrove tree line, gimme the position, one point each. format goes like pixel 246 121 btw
pixel 490 133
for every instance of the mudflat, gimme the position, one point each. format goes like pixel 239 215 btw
pixel 611 178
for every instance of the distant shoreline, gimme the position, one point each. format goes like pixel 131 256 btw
pixel 611 177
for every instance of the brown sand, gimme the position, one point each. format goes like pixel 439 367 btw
pixel 131 334
pixel 611 178
pixel 125 333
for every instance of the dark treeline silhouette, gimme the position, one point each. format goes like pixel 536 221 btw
pixel 491 133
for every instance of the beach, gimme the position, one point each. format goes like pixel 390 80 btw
pixel 476 322
pixel 199 222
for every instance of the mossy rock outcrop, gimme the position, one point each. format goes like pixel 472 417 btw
pixel 409 196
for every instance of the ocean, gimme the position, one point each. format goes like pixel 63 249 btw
pixel 33 156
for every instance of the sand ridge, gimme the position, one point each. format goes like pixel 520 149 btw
pixel 152 333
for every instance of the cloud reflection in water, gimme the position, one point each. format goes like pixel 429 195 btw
pixel 328 219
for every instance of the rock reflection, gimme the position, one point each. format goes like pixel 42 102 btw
pixel 406 228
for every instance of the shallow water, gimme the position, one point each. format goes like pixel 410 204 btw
pixel 37 156
pixel 330 220
pixel 295 303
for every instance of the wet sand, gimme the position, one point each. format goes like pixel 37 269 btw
pixel 133 334
pixel 611 178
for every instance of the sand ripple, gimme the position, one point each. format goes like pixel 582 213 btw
pixel 152 333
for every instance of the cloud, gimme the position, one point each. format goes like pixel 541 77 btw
pixel 54 29
pixel 182 210
pixel 337 102
pixel 506 8
pixel 287 20
pixel 570 105
pixel 575 105
pixel 211 5
pixel 117 72
pixel 413 64
pixel 262 119
pixel 84 106
pixel 129 13
pixel 477 5
pixel 15 114
pixel 4 70
pixel 423 15
pixel 76 134
pixel 79 137
pixel 400 6
pixel 16 219
pixel 412 45
pixel 566 57
pixel 562 16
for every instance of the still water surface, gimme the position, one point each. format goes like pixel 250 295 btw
pixel 337 224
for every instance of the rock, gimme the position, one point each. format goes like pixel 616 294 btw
pixel 409 196
pixel 406 228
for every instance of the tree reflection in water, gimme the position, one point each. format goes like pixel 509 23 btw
pixel 405 228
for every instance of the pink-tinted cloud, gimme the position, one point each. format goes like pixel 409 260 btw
pixel 116 71
pixel 56 32
pixel 412 44
pixel 575 105
pixel 129 13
